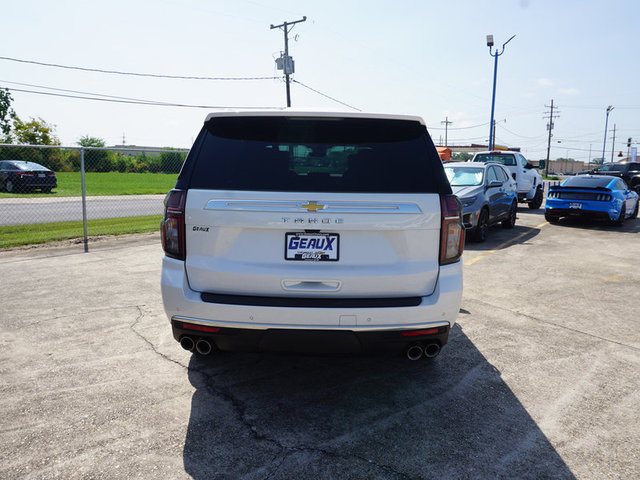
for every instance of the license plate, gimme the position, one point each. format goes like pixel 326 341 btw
pixel 41 175
pixel 312 247
pixel 577 206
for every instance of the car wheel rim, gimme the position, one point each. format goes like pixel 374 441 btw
pixel 483 226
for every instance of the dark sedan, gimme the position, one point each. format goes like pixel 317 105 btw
pixel 17 176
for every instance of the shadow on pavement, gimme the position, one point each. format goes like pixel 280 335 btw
pixel 630 225
pixel 503 238
pixel 281 417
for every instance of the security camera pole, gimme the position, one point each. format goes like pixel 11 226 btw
pixel 286 62
pixel 495 74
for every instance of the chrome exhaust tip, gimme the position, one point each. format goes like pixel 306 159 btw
pixel 187 343
pixel 414 352
pixel 204 347
pixel 431 350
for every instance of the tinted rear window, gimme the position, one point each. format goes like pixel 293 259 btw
pixel 502 158
pixel 314 155
pixel 582 181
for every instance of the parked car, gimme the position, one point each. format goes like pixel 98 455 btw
pixel 629 172
pixel 487 193
pixel 528 181
pixel 598 196
pixel 17 176
pixel 266 250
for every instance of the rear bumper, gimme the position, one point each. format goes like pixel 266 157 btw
pixel 599 210
pixel 360 328
pixel 305 341
pixel 35 182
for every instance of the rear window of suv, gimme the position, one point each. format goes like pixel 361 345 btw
pixel 502 158
pixel 305 154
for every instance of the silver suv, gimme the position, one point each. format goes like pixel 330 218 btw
pixel 314 233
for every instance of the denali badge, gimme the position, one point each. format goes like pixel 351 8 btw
pixel 200 229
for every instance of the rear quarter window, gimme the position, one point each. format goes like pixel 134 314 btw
pixel 314 155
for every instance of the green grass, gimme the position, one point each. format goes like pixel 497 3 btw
pixel 17 235
pixel 107 183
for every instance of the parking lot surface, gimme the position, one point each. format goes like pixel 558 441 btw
pixel 540 378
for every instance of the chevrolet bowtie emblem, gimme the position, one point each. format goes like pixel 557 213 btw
pixel 313 206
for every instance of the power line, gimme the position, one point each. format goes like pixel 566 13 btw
pixel 138 102
pixel 518 135
pixel 77 91
pixel 325 95
pixel 133 74
pixel 461 128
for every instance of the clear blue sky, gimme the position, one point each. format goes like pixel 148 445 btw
pixel 419 57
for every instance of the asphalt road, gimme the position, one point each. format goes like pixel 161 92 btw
pixel 30 210
pixel 540 378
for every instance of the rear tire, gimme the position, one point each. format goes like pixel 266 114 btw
pixel 480 232
pixel 510 221
pixel 536 203
pixel 551 218
pixel 635 212
pixel 620 221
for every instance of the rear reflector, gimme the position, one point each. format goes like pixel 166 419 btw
pixel 200 328
pixel 417 333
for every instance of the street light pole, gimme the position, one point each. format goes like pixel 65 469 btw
pixel 495 75
pixel 606 125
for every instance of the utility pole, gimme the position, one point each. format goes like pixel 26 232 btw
pixel 550 128
pixel 286 62
pixel 613 145
pixel 446 128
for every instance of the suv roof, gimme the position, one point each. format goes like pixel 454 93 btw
pixel 289 112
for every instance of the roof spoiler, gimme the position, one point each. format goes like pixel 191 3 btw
pixel 598 189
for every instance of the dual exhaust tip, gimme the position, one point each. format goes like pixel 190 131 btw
pixel 416 351
pixel 202 345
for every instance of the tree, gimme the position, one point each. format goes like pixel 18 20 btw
pixel 6 112
pixel 96 159
pixel 34 132
pixel 87 141
pixel 38 132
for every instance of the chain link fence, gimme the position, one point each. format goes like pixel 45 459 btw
pixel 54 193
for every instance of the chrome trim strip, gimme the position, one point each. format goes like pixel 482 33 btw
pixel 298 207
pixel 265 326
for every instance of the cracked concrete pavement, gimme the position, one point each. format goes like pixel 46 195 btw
pixel 539 380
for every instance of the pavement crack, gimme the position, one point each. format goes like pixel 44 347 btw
pixel 155 350
pixel 564 327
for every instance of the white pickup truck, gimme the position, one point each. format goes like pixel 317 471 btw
pixel 528 181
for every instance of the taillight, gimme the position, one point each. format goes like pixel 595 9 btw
pixel 25 174
pixel 452 231
pixel 172 226
pixel 51 174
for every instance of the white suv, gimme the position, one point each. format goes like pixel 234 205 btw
pixel 312 232
pixel 528 182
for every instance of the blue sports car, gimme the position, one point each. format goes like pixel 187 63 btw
pixel 599 196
